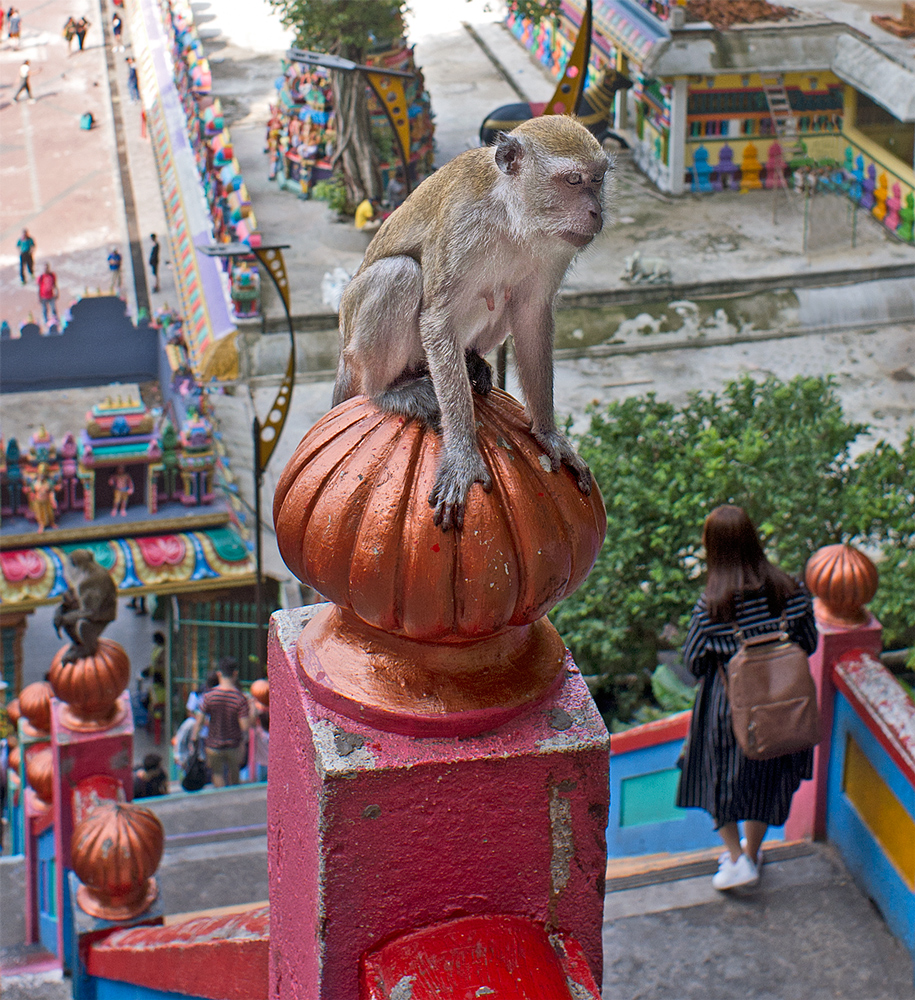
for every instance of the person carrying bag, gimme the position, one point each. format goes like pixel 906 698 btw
pixel 197 774
pixel 746 633
pixel 772 695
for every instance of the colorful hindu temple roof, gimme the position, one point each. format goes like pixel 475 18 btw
pixel 168 563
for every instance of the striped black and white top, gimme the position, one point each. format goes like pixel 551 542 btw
pixel 716 776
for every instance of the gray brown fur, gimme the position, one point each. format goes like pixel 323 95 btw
pixel 476 253
pixel 88 606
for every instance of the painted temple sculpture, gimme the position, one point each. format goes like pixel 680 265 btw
pixel 124 457
pixel 751 95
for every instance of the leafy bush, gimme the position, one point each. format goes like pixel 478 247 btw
pixel 783 451
pixel 332 191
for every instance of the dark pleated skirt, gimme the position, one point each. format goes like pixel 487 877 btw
pixel 718 778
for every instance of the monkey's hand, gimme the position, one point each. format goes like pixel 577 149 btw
pixel 561 452
pixel 455 476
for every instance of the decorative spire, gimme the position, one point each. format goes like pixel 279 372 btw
pixel 843 581
pixel 115 852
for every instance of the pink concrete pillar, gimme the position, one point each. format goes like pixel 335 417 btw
pixel 89 766
pixel 372 833
pixel 807 819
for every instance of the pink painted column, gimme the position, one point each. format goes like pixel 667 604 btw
pixel 98 753
pixel 807 819
pixel 842 580
pixel 434 753
pixel 372 833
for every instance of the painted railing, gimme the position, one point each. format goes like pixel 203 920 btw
pixel 871 787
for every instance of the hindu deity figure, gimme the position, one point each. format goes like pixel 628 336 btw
pixel 42 501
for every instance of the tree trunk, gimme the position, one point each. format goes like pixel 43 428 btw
pixel 354 151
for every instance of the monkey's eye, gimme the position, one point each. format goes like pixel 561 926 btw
pixel 573 179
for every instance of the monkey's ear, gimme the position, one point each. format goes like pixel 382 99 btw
pixel 509 154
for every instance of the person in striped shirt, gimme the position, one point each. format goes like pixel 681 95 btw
pixel 230 716
pixel 747 592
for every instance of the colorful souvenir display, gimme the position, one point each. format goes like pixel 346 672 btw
pixel 220 174
pixel 302 130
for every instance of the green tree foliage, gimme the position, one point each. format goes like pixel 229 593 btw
pixel 784 452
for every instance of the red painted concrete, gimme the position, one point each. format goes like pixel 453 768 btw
pixel 78 756
pixel 373 833
pixel 493 954
pixel 885 708
pixel 807 819
pixel 223 958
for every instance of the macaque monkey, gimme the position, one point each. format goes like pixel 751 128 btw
pixel 89 604
pixel 477 252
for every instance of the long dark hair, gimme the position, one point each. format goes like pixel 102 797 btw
pixel 737 565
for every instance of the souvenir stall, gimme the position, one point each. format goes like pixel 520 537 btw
pixel 301 131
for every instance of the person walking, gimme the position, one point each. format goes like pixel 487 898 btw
pixel 745 592
pixel 230 716
pixel 117 26
pixel 114 267
pixel 14 19
pixel 47 294
pixel 26 247
pixel 69 34
pixel 24 70
pixel 80 27
pixel 133 83
pixel 154 261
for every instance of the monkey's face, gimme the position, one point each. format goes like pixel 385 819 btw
pixel 576 203
pixel 559 169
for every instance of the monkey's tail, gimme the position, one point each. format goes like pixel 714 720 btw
pixel 343 386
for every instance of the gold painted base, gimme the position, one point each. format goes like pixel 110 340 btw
pixel 828 616
pixel 79 724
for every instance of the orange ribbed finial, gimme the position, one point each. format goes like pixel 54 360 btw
pixel 428 623
pixel 35 705
pixel 91 686
pixel 842 580
pixel 115 852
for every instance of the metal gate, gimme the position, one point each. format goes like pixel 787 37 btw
pixel 200 633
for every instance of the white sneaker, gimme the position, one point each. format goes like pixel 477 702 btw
pixel 759 853
pixel 731 874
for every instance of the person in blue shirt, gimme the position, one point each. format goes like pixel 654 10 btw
pixel 114 266
pixel 26 246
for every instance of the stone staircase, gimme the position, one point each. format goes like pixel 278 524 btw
pixel 215 856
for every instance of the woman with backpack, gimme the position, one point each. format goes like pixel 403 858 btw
pixel 745 596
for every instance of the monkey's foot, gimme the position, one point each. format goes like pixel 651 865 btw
pixel 452 484
pixel 479 371
pixel 560 452
pixel 413 398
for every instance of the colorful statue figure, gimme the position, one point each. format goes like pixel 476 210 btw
pixel 123 490
pixel 42 501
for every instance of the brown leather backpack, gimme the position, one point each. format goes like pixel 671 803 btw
pixel 772 695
